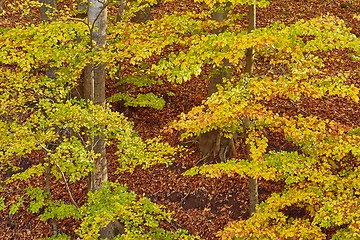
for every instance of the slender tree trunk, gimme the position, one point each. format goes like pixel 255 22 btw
pixel 120 105
pixel 140 17
pixel 48 190
pixel 82 5
pixel 47 7
pixel 94 85
pixel 143 15
pixel 250 52
pixel 1 7
pixel 120 12
pixel 81 8
pixel 214 146
pixel 253 185
pixel 78 90
pixel 94 89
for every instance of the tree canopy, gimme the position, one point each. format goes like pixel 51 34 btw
pixel 42 66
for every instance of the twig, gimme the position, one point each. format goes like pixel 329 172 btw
pixel 67 186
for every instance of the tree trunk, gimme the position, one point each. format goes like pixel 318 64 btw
pixel 81 8
pixel 79 90
pixel 120 12
pixel 250 52
pixel 47 7
pixel 142 15
pixel 94 85
pixel 94 89
pixel 253 184
pixel 81 5
pixel 2 9
pixel 212 145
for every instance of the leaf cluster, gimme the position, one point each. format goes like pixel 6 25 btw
pixel 321 176
pixel 138 216
pixel 38 114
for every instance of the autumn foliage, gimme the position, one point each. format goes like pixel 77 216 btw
pixel 42 64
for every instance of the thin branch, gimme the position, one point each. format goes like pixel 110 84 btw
pixel 67 186
pixel 48 190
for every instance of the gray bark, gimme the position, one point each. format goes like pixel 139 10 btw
pixel 120 12
pixel 250 52
pixel 120 105
pixel 78 91
pixel 94 89
pixel 142 15
pixel 220 14
pixel 94 85
pixel 112 229
pixel 2 9
pixel 47 7
pixel 212 145
pixel 82 5
pixel 81 8
pixel 253 184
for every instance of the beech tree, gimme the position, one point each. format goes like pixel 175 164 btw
pixel 47 7
pixel 94 85
pixel 212 145
pixel 38 116
pixel 249 68
pixel 296 50
pixel 312 181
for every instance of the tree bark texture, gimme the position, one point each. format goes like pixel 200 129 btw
pixel 81 8
pixel 47 7
pixel 214 146
pixel 94 89
pixel 252 26
pixel 253 184
pixel 2 8
pixel 143 15
pixel 120 11
pixel 82 5
pixel 139 17
pixel 94 85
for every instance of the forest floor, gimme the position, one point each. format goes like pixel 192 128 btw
pixel 202 205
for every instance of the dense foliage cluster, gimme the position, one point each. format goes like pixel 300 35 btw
pixel 41 64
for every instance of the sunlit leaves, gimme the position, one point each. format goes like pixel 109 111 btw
pixel 285 43
pixel 71 156
pixel 60 210
pixel 37 115
pixel 59 237
pixel 319 175
pixel 33 171
pixel 259 3
pixel 272 222
pixel 34 46
pixel 37 199
pixel 140 41
pixel 15 206
pixel 141 100
pixel 134 151
pixel 138 215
